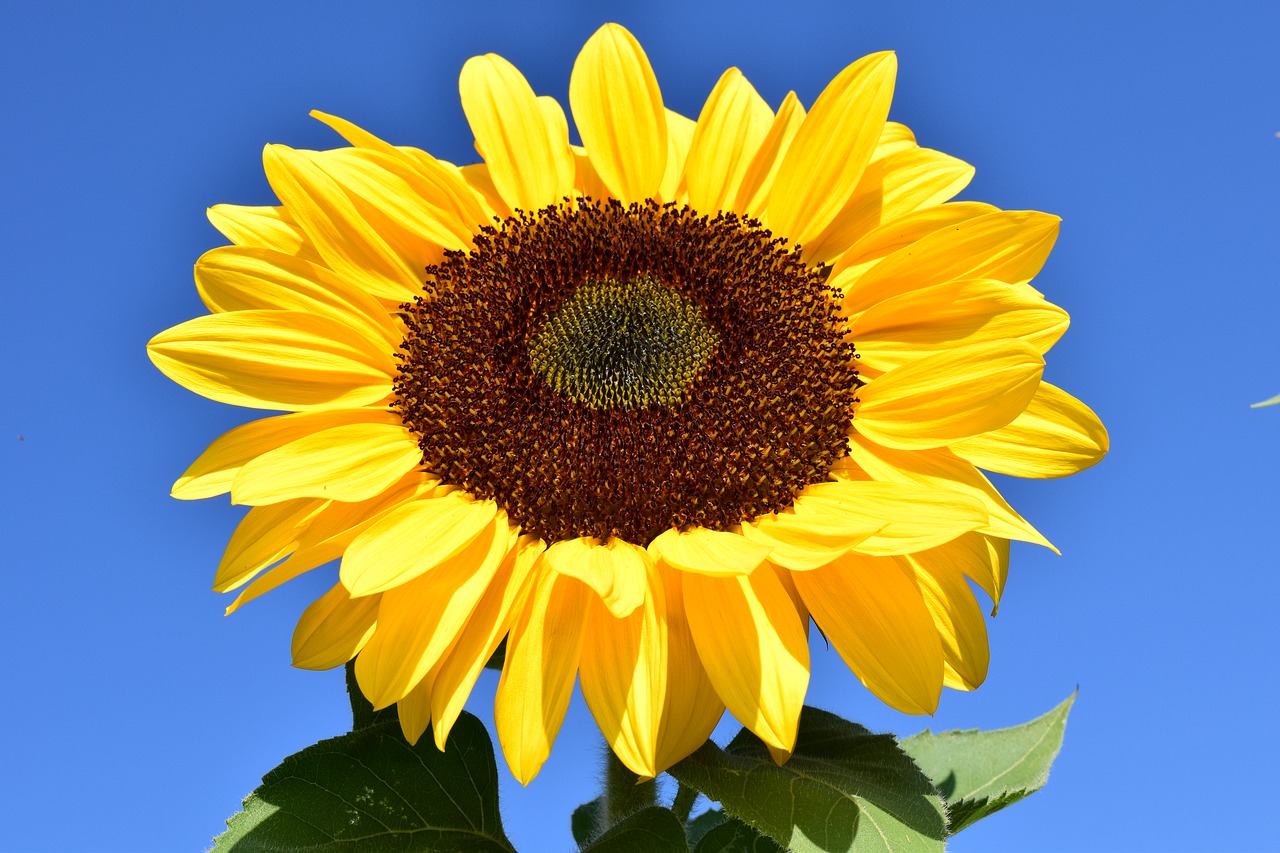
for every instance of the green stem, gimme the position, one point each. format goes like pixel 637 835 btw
pixel 624 793
pixel 683 804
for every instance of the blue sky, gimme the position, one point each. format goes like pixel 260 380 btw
pixel 135 716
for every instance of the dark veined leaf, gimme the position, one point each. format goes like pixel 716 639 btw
pixel 370 791
pixel 979 773
pixel 734 836
pixel 587 821
pixel 702 824
pixel 843 790
pixel 650 830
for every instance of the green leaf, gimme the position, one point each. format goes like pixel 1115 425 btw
pixel 702 824
pixel 844 789
pixel 587 821
pixel 370 791
pixel 734 836
pixel 362 713
pixel 979 773
pixel 651 830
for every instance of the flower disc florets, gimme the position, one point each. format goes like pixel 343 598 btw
pixel 608 370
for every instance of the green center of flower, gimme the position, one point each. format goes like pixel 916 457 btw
pixel 623 345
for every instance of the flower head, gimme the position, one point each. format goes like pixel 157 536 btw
pixel 643 407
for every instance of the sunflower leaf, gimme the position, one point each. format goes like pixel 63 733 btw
pixel 369 790
pixel 844 790
pixel 587 821
pixel 979 773
pixel 734 836
pixel 651 830
pixel 699 826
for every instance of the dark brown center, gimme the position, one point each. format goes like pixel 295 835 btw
pixel 608 370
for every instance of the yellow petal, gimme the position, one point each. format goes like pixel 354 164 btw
pixel 618 110
pixel 456 675
pixel 615 570
pixel 333 629
pixel 354 462
pixel 895 234
pixel 984 560
pixel 801 542
pixel 623 676
pixel 274 360
pixel 821 168
pixel 921 322
pixel 263 227
pixel 754 648
pixel 264 536
pixel 543 650
pixel 691 708
pixel 757 181
pixel 949 396
pixel 956 615
pixel 327 536
pixel 238 278
pixel 894 138
pixel 733 123
pixel 214 470
pixel 709 552
pixel 530 165
pixel 1057 435
pixel 679 138
pixel 872 612
pixel 890 188
pixel 411 539
pixel 910 518
pixel 1006 245
pixel 414 709
pixel 420 620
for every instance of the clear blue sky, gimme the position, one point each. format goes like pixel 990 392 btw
pixel 135 716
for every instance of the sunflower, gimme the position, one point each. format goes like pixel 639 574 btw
pixel 641 408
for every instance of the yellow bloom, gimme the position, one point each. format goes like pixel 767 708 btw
pixel 702 382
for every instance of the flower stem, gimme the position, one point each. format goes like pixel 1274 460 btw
pixel 683 804
pixel 625 794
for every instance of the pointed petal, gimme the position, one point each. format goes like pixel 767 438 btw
pixel 264 536
pixel 757 181
pixel 932 319
pixel 801 542
pixel 214 470
pixel 872 612
pixel 940 470
pixel 895 234
pixel 949 396
pixel 957 617
pixel 263 227
pixel 615 570
pixel 623 676
pixel 420 620
pixel 333 629
pixel 1007 245
pixel 679 138
pixel 910 517
pixel 617 107
pixel 691 708
pixel 353 462
pixel 530 166
pixel 754 648
pixel 821 168
pixel 1057 435
pixel 412 539
pixel 414 709
pixel 890 188
pixel 733 123
pixel 274 360
pixel 709 552
pixel 543 650
pixel 504 598
pixel 984 560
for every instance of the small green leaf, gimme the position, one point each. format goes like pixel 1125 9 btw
pixel 702 824
pixel 651 830
pixel 370 791
pixel 734 836
pixel 843 790
pixel 1271 402
pixel 587 821
pixel 979 772
pixel 362 713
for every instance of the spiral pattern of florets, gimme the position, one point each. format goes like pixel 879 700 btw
pixel 601 369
